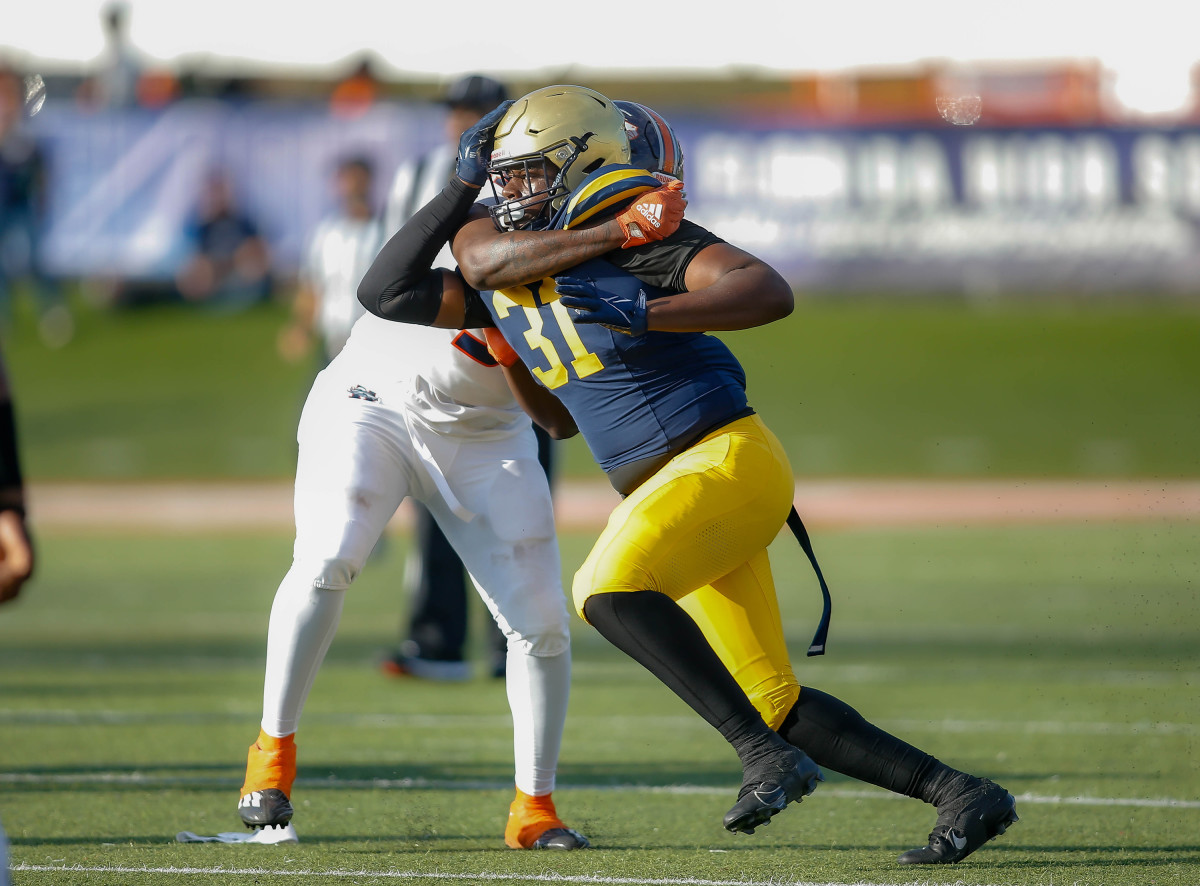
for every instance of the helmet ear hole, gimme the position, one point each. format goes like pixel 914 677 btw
pixel 594 165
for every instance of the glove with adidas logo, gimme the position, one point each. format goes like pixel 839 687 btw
pixel 653 216
pixel 590 304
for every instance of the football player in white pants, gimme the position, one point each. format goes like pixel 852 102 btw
pixel 409 411
pixel 401 412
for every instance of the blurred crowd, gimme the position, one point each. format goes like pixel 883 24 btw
pixel 228 263
pixel 23 172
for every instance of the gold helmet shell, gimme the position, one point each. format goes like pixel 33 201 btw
pixel 573 129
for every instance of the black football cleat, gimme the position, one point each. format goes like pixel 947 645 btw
pixel 265 809
pixel 983 811
pixel 766 793
pixel 561 839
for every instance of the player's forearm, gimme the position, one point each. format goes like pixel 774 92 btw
pixel 541 405
pixel 492 260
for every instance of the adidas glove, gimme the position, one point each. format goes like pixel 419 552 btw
pixel 653 216
pixel 499 347
pixel 475 147
pixel 588 304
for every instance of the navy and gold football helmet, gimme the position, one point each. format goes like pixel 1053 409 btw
pixel 653 144
pixel 551 140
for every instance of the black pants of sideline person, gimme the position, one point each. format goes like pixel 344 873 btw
pixel 439 613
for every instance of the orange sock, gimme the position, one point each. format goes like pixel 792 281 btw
pixel 271 763
pixel 528 818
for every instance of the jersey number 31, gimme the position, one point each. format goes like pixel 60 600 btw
pixel 528 299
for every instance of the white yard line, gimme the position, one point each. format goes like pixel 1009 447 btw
pixel 441 877
pixel 423 784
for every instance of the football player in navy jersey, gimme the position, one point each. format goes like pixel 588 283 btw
pixel 612 323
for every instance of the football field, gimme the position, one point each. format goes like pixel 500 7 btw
pixel 1058 658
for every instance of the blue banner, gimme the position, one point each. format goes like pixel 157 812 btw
pixel 961 208
pixel 124 186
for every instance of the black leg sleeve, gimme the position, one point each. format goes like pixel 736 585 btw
pixel 653 630
pixel 837 737
pixel 438 621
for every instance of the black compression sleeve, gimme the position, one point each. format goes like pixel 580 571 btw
pixel 477 316
pixel 11 488
pixel 839 738
pixel 400 284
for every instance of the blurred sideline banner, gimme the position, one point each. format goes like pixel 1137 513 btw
pixel 124 186
pixel 954 208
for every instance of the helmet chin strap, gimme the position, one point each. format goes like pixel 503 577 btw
pixel 560 179
pixel 580 144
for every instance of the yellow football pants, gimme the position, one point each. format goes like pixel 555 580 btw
pixel 698 532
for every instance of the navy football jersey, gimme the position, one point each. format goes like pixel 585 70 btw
pixel 632 398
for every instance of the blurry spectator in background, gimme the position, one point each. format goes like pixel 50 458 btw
pixel 229 266
pixel 433 642
pixel 418 181
pixel 116 80
pixel 22 216
pixel 356 94
pixel 339 253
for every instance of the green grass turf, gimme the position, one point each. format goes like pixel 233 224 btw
pixel 866 387
pixel 1059 660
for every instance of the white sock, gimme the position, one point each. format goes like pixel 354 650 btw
pixel 303 621
pixel 538 689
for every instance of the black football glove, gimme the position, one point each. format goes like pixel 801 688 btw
pixel 475 147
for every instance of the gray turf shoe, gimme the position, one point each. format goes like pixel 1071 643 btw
pixel 265 809
pixel 561 838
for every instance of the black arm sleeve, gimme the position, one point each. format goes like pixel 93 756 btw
pixel 477 316
pixel 400 284
pixel 12 490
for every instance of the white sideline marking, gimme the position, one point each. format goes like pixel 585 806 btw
pixel 422 784
pixel 417 875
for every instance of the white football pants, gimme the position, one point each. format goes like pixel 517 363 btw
pixel 358 460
